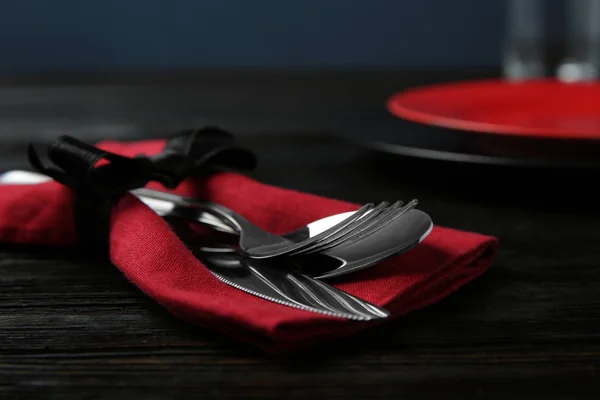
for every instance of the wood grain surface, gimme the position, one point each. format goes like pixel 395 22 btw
pixel 528 328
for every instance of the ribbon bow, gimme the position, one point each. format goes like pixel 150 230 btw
pixel 100 178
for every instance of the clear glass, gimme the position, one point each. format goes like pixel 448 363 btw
pixel 582 58
pixel 524 40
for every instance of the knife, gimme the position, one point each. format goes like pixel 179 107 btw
pixel 283 284
pixel 267 279
pixel 292 289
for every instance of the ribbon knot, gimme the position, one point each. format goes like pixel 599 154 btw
pixel 100 178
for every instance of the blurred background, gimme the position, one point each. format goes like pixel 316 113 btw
pixel 133 67
pixel 159 35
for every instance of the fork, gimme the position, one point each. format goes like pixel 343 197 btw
pixel 398 236
pixel 388 233
pixel 254 241
pixel 375 220
pixel 357 242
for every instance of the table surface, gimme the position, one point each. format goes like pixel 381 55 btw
pixel 74 328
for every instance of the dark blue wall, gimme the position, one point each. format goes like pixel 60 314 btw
pixel 155 34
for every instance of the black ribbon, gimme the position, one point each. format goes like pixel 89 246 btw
pixel 100 178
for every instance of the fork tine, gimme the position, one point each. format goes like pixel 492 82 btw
pixel 368 230
pixel 375 215
pixel 390 218
pixel 265 252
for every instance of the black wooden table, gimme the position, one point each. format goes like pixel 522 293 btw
pixel 528 328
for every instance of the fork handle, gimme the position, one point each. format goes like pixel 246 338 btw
pixel 250 234
pixel 161 202
pixel 230 217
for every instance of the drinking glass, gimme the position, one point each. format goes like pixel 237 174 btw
pixel 582 52
pixel 524 40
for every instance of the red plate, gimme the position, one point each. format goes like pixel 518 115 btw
pixel 540 108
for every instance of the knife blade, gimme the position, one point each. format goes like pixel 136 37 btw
pixel 277 280
pixel 268 280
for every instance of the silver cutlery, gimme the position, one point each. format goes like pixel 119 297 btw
pixel 278 280
pixel 255 242
pixel 403 229
pixel 275 281
pixel 365 226
pixel 268 250
pixel 352 246
pixel 362 249
pixel 400 235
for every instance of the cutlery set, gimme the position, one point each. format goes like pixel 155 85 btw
pixel 289 269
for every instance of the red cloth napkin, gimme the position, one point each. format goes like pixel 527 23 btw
pixel 149 255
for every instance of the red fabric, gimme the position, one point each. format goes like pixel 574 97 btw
pixel 149 254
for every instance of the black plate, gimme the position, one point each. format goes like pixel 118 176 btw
pixel 381 131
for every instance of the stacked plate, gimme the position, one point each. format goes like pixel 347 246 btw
pixel 544 122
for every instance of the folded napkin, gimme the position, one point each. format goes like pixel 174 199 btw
pixel 144 248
